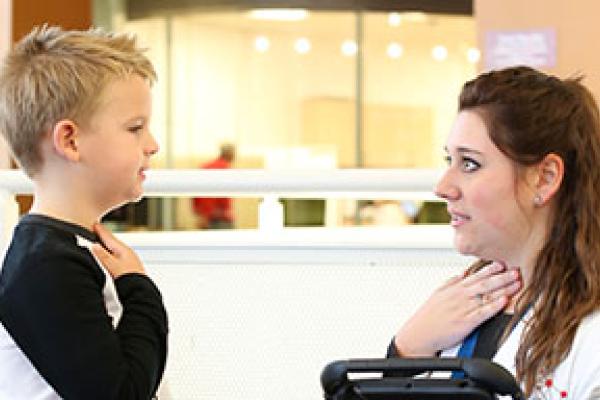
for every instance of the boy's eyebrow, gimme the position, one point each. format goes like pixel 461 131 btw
pixel 137 119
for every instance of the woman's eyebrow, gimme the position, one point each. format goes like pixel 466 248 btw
pixel 464 149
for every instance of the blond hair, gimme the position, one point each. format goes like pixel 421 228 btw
pixel 52 74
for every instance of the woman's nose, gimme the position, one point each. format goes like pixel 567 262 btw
pixel 446 188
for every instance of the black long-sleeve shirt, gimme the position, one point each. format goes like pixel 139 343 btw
pixel 66 328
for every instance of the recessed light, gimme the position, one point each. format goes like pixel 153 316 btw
pixel 439 53
pixel 395 50
pixel 262 44
pixel 302 45
pixel 349 48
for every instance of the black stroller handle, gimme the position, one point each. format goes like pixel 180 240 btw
pixel 493 377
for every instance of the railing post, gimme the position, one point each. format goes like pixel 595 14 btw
pixel 270 213
pixel 9 216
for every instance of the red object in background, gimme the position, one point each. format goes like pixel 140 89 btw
pixel 214 209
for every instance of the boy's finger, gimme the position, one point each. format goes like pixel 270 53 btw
pixel 100 253
pixel 106 236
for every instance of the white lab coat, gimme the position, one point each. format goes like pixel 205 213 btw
pixel 579 373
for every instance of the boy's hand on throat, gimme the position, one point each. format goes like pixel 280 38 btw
pixel 119 259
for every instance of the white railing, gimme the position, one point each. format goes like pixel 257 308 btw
pixel 256 183
pixel 270 185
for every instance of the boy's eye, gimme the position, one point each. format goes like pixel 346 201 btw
pixel 136 129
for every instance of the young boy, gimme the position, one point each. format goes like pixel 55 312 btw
pixel 80 318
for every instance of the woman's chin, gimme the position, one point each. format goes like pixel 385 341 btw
pixel 465 248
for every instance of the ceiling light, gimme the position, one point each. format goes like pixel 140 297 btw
pixel 302 45
pixel 473 55
pixel 394 19
pixel 395 50
pixel 349 48
pixel 439 53
pixel 279 14
pixel 262 44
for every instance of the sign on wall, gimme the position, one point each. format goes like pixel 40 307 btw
pixel 535 48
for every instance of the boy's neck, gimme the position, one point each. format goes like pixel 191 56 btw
pixel 65 209
pixel 66 217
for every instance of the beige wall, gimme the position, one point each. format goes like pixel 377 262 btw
pixel 576 24
pixel 395 136
pixel 5 40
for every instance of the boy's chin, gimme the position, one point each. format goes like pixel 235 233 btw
pixel 136 198
pixel 135 195
pixel 133 198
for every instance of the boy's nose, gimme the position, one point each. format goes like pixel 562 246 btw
pixel 152 146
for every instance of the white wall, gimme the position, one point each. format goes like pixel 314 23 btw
pixel 5 42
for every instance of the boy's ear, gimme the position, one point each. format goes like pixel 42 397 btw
pixel 65 136
pixel 549 176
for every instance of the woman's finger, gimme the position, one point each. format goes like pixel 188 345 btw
pixel 484 273
pixel 452 281
pixel 484 310
pixel 507 291
pixel 495 282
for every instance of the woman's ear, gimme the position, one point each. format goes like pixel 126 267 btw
pixel 549 173
pixel 64 139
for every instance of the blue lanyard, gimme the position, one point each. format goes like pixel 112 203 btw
pixel 468 347
pixel 466 351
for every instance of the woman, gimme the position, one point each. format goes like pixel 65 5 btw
pixel 523 194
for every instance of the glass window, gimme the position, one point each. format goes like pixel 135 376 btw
pixel 305 89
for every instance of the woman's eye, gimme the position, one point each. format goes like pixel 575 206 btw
pixel 469 165
pixel 448 160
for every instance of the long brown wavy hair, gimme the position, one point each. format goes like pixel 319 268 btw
pixel 528 115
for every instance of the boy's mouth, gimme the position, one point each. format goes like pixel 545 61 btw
pixel 142 173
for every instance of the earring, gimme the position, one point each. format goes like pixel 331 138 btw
pixel 537 199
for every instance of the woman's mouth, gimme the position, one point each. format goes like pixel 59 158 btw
pixel 457 219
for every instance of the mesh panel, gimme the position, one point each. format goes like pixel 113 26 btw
pixel 265 331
